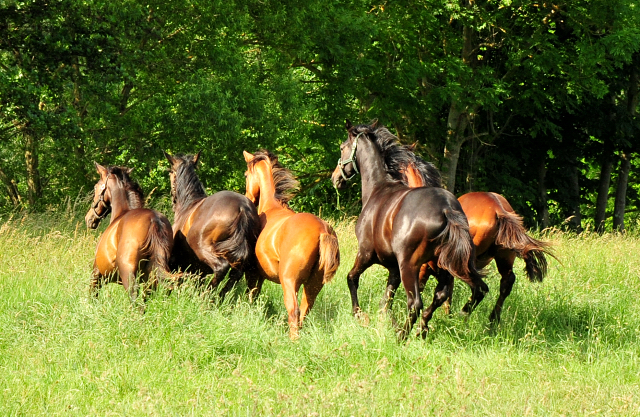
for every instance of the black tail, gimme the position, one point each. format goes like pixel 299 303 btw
pixel 512 235
pixel 158 245
pixel 240 247
pixel 456 253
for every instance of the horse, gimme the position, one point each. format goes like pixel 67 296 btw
pixel 137 240
pixel 497 230
pixel 293 249
pixel 213 235
pixel 402 228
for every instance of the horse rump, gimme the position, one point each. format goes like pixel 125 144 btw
pixel 456 252
pixel 239 248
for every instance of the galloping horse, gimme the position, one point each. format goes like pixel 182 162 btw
pixel 138 240
pixel 215 234
pixel 402 228
pixel 498 233
pixel 293 249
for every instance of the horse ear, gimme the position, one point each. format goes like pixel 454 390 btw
pixel 101 170
pixel 347 124
pixel 412 147
pixel 374 124
pixel 129 170
pixel 196 158
pixel 248 157
pixel 170 158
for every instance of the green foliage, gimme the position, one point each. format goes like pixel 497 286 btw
pixel 119 82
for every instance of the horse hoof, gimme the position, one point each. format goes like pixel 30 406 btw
pixel 363 318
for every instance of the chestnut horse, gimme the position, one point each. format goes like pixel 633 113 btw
pixel 498 234
pixel 138 240
pixel 215 234
pixel 402 228
pixel 293 249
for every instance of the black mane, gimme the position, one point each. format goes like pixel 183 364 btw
pixel 188 188
pixel 397 156
pixel 135 195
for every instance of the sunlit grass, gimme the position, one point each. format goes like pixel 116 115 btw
pixel 568 346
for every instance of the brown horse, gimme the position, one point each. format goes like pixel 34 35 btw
pixel 293 249
pixel 138 240
pixel 403 228
pixel 498 234
pixel 215 234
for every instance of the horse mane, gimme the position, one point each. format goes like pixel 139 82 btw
pixel 188 187
pixel 398 156
pixel 284 181
pixel 135 196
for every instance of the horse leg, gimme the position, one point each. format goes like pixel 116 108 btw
pixel 234 277
pixel 353 279
pixel 127 269
pixel 96 282
pixel 310 292
pixel 409 277
pixel 393 282
pixel 254 284
pixel 290 293
pixel 505 267
pixel 441 293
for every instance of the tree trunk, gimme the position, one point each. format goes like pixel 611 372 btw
pixel 621 191
pixel 457 124
pixel 543 210
pixel 603 192
pixel 33 174
pixel 576 216
pixel 12 189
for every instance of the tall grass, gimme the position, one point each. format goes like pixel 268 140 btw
pixel 568 346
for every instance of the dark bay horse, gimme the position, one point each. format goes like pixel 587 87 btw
pixel 293 249
pixel 215 234
pixel 498 234
pixel 138 240
pixel 402 228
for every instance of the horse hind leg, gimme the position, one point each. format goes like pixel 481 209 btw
pixel 310 292
pixel 234 276
pixel 290 293
pixel 441 293
pixel 505 268
pixel 409 277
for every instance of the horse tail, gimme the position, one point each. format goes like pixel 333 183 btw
pixel 456 253
pixel 329 255
pixel 239 248
pixel 512 235
pixel 158 245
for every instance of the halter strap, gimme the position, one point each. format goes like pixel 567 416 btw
pixel 352 159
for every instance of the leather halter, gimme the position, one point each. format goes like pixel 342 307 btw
pixel 352 159
pixel 107 210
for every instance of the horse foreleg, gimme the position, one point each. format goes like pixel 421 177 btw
pixel 353 279
pixel 505 267
pixel 441 293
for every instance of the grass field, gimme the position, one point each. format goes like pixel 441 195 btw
pixel 568 346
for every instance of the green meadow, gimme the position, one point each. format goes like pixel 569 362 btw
pixel 568 346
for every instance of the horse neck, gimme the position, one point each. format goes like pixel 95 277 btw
pixel 187 197
pixel 267 200
pixel 371 167
pixel 414 179
pixel 120 203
